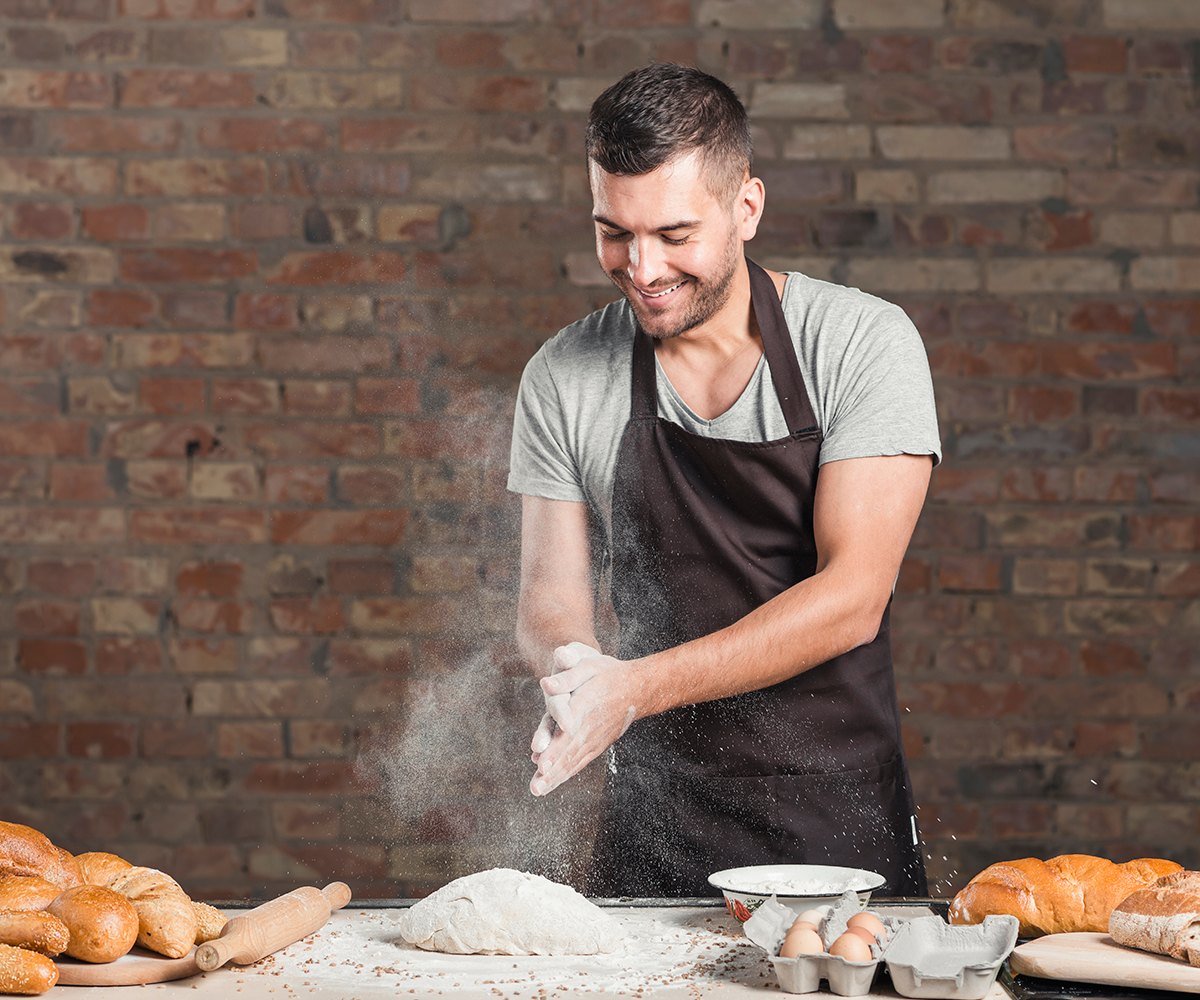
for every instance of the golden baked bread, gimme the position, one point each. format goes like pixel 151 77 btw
pixel 25 972
pixel 1073 892
pixel 98 868
pixel 24 851
pixel 1163 918
pixel 209 922
pixel 103 923
pixel 26 892
pixel 40 932
pixel 166 919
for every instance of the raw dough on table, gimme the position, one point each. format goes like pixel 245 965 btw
pixel 507 912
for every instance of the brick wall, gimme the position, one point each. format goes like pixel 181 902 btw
pixel 271 268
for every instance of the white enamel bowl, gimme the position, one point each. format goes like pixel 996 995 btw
pixel 800 887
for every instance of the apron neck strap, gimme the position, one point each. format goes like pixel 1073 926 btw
pixel 777 346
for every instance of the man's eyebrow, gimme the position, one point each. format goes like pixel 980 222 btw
pixel 686 224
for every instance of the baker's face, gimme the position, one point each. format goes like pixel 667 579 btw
pixel 669 244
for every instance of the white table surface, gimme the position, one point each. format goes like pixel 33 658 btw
pixel 671 952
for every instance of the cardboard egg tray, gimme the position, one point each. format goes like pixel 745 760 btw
pixel 925 956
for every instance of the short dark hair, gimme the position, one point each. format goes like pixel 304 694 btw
pixel 665 110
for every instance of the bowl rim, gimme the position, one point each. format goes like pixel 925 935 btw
pixel 860 879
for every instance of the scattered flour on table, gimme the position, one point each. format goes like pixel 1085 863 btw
pixel 667 952
pixel 507 912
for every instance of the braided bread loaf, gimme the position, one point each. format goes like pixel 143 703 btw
pixel 1073 892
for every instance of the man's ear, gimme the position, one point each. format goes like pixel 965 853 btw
pixel 751 199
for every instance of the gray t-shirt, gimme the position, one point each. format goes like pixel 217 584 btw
pixel 863 363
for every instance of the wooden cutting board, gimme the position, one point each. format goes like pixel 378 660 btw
pixel 139 966
pixel 1097 958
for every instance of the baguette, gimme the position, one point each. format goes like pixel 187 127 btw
pixel 103 923
pixel 1163 918
pixel 26 892
pixel 1072 892
pixel 209 922
pixel 166 919
pixel 40 932
pixel 98 868
pixel 25 972
pixel 24 851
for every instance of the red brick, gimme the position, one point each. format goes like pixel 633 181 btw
pixel 1095 54
pixel 101 740
pixel 371 485
pixel 330 49
pixel 1039 658
pixel 265 311
pixel 361 576
pixel 1174 319
pixel 1108 361
pixel 1036 404
pixel 156 480
pixel 204 656
pixel 43 525
pixel 1176 405
pixel 190 10
pixel 145 88
pixel 1022 819
pixel 362 179
pixel 899 54
pixel 202 615
pixel 29 397
pixel 405 135
pixel 210 579
pixel 324 355
pixel 1107 738
pixel 176 739
pixel 120 655
pixel 642 13
pixel 354 657
pixel 245 395
pixel 184 265
pixel 50 438
pixel 1101 317
pixel 62 577
pixel 306 484
pixel 197 309
pixel 471 49
pixel 762 60
pixel 198 527
pixel 303 439
pixel 969 573
pixel 1160 56
pixel 29 740
pixel 112 134
pixel 899 100
pixel 1110 658
pixel 286 778
pixel 1065 144
pixel 963 700
pixel 125 307
pixel 249 739
pixel 307 615
pixel 171 395
pixel 338 267
pixel 189 178
pixel 47 617
pixel 330 527
pixel 282 656
pixel 157 439
pixel 1173 533
pixel 477 94
pixel 266 222
pixel 1105 485
pixel 52 656
pixel 316 398
pixel 387 395
pixel 116 223
pixel 32 221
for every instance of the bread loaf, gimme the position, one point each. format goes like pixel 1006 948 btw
pixel 209 922
pixel 40 932
pixel 25 972
pixel 103 923
pixel 1163 918
pixel 166 919
pixel 26 892
pixel 24 851
pixel 98 868
pixel 1073 892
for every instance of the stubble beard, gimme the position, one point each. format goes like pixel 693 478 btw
pixel 708 298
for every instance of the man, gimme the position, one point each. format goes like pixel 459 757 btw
pixel 673 440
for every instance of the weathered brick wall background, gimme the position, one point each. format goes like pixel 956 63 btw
pixel 271 269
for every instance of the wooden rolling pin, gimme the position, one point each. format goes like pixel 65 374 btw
pixel 257 933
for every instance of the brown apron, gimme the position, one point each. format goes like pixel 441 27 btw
pixel 808 771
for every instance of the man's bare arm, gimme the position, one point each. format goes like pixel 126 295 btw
pixel 865 511
pixel 556 603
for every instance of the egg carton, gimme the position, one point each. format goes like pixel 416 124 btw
pixel 925 956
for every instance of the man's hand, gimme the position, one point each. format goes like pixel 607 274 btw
pixel 588 708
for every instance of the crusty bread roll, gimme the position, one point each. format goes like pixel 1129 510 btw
pixel 166 919
pixel 98 868
pixel 1073 892
pixel 24 851
pixel 25 972
pixel 103 923
pixel 40 932
pixel 1163 918
pixel 209 922
pixel 26 892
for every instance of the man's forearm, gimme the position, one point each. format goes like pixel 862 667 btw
pixel 540 631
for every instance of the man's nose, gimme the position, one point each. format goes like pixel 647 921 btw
pixel 647 262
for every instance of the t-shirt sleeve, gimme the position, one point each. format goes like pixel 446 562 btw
pixel 882 398
pixel 540 462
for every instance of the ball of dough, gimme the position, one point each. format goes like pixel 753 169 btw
pixel 103 923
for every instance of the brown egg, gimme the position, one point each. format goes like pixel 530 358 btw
pixel 813 917
pixel 863 933
pixel 851 947
pixel 870 922
pixel 801 940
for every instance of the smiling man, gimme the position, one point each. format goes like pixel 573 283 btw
pixel 744 454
